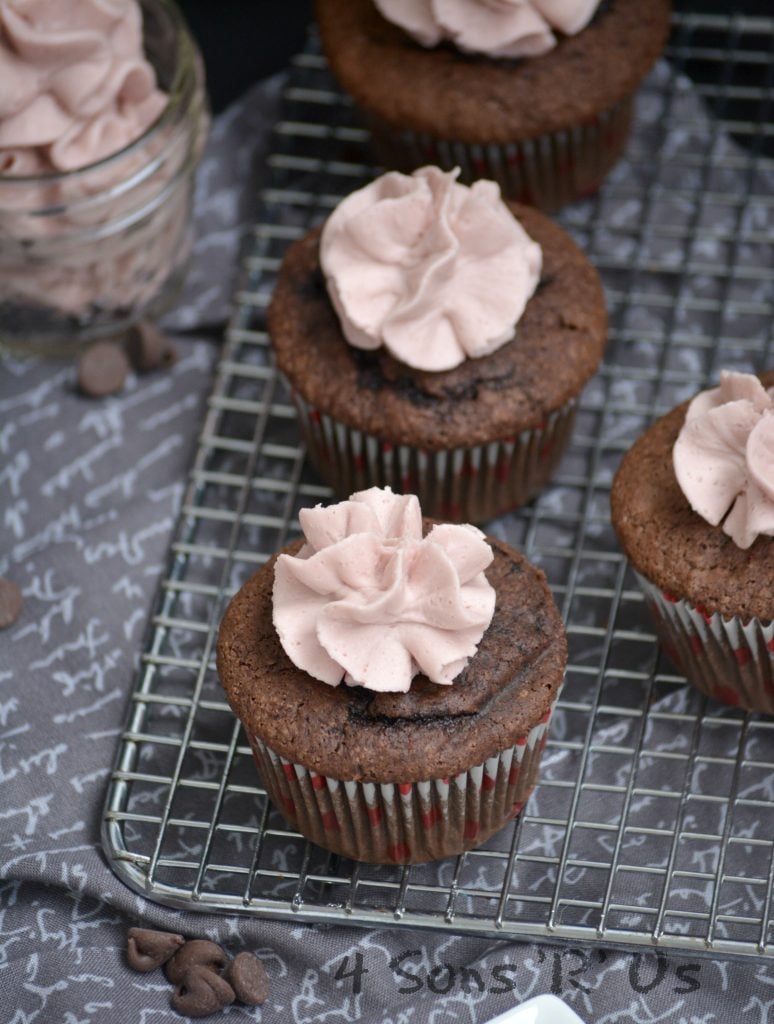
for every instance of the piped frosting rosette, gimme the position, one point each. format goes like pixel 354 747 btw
pixel 370 601
pixel 435 271
pixel 724 457
pixel 497 28
pixel 102 232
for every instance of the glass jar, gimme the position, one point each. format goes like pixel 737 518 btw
pixel 85 253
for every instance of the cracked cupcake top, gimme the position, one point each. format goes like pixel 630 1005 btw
pixel 76 86
pixel 497 28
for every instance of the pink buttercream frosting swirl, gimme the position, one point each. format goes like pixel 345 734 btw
pixel 75 85
pixel 370 601
pixel 724 457
pixel 497 28
pixel 433 270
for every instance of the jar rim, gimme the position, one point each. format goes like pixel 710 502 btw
pixel 183 48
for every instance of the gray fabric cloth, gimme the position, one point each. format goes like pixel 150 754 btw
pixel 88 496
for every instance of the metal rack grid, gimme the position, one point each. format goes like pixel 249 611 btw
pixel 653 823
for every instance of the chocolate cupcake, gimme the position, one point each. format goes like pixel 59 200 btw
pixel 436 341
pixel 693 507
pixel 537 95
pixel 452 651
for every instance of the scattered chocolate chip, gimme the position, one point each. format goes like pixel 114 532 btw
pixel 10 602
pixel 148 949
pixel 195 953
pixel 149 348
pixel 102 369
pixel 247 976
pixel 201 992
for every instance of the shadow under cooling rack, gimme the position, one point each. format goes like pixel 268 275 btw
pixel 653 821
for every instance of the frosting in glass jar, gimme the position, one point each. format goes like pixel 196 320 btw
pixel 76 86
pixel 433 270
pixel 371 602
pixel 724 457
pixel 96 166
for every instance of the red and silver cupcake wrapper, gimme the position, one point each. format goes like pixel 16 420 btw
pixel 727 659
pixel 457 484
pixel 407 822
pixel 548 171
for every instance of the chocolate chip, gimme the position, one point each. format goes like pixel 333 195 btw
pixel 149 348
pixel 102 369
pixel 195 953
pixel 10 602
pixel 148 949
pixel 201 992
pixel 247 976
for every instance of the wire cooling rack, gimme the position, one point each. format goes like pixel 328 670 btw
pixel 653 823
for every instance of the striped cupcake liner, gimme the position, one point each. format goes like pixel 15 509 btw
pixel 730 660
pixel 548 171
pixel 457 484
pixel 406 822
